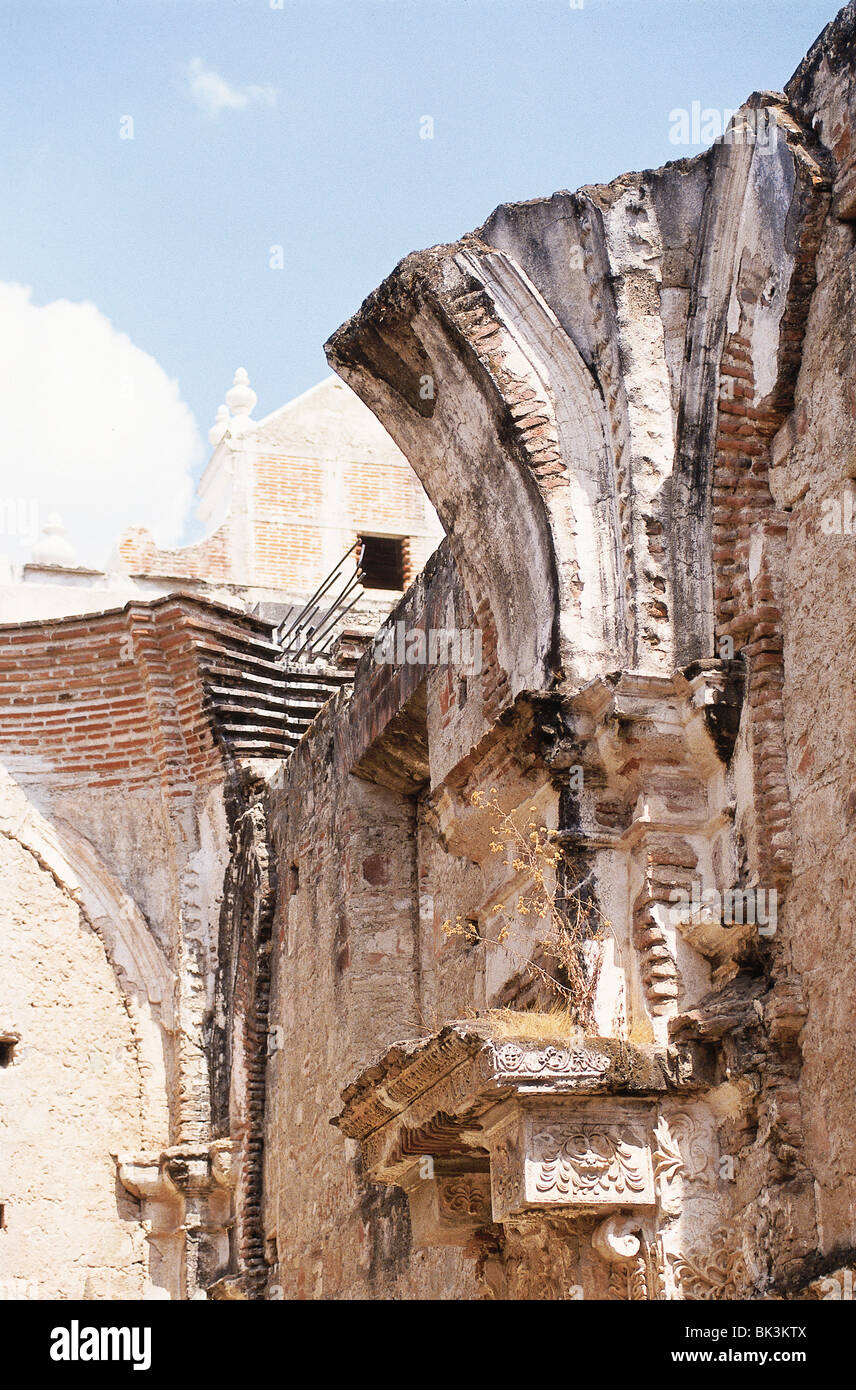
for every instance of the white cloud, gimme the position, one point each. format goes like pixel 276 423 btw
pixel 92 427
pixel 214 94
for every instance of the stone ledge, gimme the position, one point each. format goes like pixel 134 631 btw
pixel 480 1129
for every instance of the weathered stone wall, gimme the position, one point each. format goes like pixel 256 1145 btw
pixel 239 1037
pixel 648 388
pixel 114 792
pixel 347 970
pixel 815 458
pixel 71 1096
pixel 641 438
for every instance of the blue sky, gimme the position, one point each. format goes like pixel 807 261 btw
pixel 169 234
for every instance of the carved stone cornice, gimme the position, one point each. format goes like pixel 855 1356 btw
pixel 689 716
pixel 719 1273
pixel 463 1068
pixel 143 1176
pixel 651 750
pixel 480 1129
pixel 579 1162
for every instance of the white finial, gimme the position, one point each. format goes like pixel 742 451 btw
pixel 220 426
pixel 54 548
pixel 241 397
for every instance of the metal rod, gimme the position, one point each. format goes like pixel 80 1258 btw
pixel 309 612
pixel 330 617
pixel 328 645
pixel 296 637
pixel 302 637
pixel 319 593
pixel 330 614
pixel 322 588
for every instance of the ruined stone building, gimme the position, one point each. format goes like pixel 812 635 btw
pixel 140 709
pixel 259 1037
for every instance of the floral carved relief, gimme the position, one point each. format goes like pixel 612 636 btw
pixel 596 1164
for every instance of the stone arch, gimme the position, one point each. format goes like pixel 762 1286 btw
pixel 568 458
pixel 72 1096
pixel 473 376
pixel 143 974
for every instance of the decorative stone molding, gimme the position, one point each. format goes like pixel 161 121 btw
pixel 145 1177
pixel 680 1151
pixel 558 1164
pixel 540 1260
pixel 448 1208
pixel 564 1068
pixel 634 1274
pixel 720 1273
pixel 628 1282
pixel 551 1157
pixel 462 1073
pixel 186 1194
pixel 652 749
pixel 617 1238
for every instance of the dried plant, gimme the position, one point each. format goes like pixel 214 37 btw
pixel 555 893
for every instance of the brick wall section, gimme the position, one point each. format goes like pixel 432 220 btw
pixel 495 689
pixel 299 505
pixel 382 691
pixel 290 556
pixel 69 700
pixel 767 1138
pixel 116 699
pixel 669 863
pixel 346 978
pixel 532 419
pixel 211 559
pixel 297 501
pixel 241 1019
pixel 750 611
